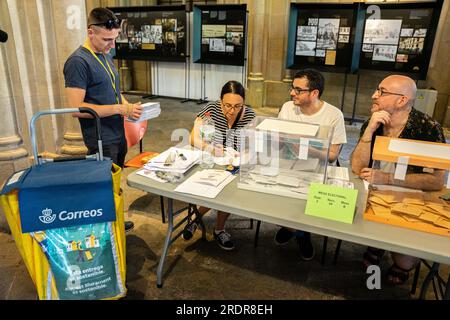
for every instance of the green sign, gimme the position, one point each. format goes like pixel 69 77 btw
pixel 331 202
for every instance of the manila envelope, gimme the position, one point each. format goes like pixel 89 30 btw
pixel 409 218
pixel 411 210
pixel 386 197
pixel 430 217
pixel 379 201
pixel 441 222
pixel 419 202
pixel 381 211
pixel 438 209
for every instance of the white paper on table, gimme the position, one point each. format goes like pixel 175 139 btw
pixel 212 177
pixel 150 174
pixel 298 128
pixel 179 165
pixel 200 189
pixel 420 149
pixel 400 169
pixel 338 173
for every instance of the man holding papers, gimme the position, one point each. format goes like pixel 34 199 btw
pixel 91 80
pixel 306 106
pixel 393 116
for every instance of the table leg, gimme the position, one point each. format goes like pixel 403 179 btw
pixel 447 289
pixel 167 243
pixel 431 274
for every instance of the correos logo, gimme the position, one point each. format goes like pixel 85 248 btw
pixel 69 215
pixel 47 217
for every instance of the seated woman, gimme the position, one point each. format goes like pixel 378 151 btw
pixel 229 114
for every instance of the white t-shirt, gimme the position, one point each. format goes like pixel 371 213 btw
pixel 328 115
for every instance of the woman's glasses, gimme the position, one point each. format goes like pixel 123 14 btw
pixel 231 107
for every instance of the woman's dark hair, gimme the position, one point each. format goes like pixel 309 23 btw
pixel 233 87
pixel 314 77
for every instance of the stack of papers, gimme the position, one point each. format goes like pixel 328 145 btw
pixel 206 183
pixel 175 160
pixel 151 110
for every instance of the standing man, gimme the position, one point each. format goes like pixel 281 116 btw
pixel 306 106
pixel 92 80
pixel 393 115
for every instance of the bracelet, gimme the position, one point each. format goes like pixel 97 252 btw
pixel 365 141
pixel 128 110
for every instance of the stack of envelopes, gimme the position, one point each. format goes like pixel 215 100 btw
pixel 420 208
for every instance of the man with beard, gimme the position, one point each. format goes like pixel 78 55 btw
pixel 306 106
pixel 393 115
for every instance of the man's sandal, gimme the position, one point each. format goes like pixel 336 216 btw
pixel 372 256
pixel 397 275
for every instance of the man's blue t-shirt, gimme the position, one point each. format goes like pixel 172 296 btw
pixel 83 71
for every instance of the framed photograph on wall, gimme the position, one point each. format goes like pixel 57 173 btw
pixel 321 36
pixel 219 34
pixel 155 33
pixel 400 37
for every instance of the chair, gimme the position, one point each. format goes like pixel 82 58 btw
pixel 134 133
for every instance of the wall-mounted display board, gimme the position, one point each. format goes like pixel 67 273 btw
pixel 399 37
pixel 219 34
pixel 321 36
pixel 156 33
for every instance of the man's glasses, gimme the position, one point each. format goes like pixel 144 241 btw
pixel 381 92
pixel 110 24
pixel 299 90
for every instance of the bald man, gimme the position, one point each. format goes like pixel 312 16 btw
pixel 393 115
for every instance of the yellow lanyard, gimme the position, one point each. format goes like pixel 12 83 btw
pixel 112 77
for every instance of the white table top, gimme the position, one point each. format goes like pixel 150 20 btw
pixel 289 212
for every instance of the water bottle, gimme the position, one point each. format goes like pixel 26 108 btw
pixel 207 135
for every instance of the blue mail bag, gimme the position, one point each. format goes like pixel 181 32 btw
pixel 66 194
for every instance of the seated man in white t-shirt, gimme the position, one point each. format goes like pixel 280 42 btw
pixel 306 106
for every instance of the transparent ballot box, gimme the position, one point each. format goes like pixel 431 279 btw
pixel 408 184
pixel 283 157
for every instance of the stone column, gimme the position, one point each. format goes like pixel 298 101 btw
pixel 13 155
pixel 256 51
pixel 69 18
pixel 12 152
pixel 288 73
